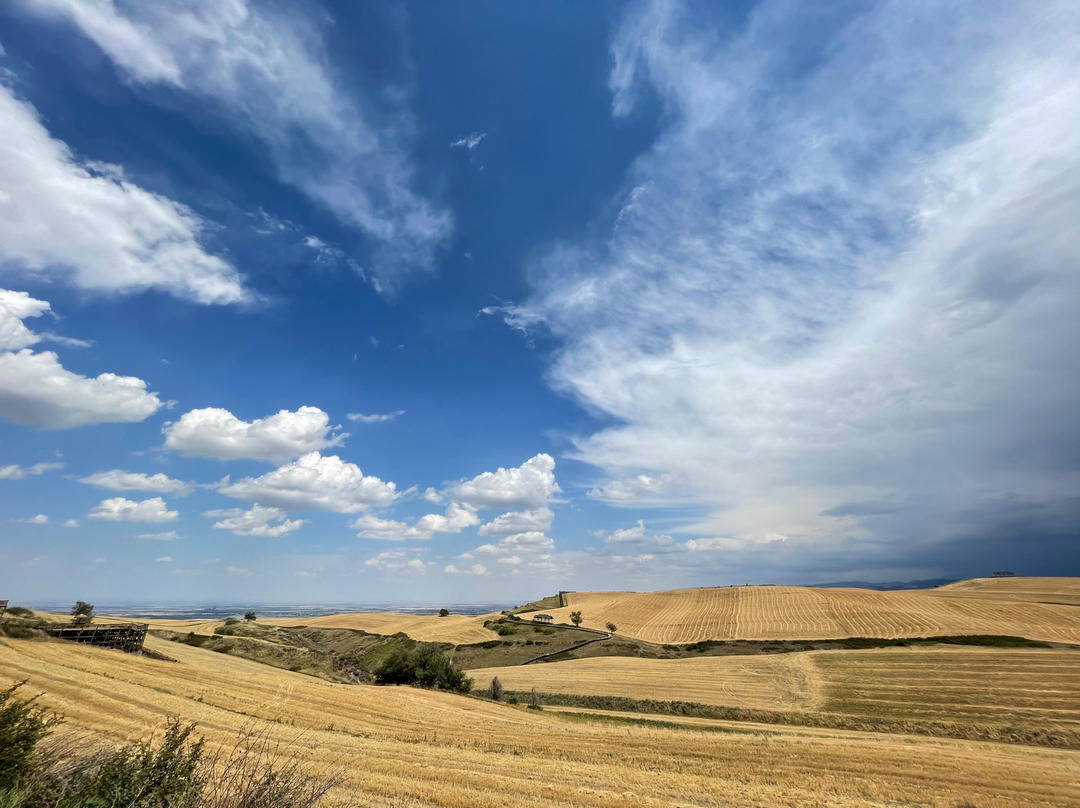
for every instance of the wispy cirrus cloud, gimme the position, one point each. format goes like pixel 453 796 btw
pixel 270 72
pixel 845 273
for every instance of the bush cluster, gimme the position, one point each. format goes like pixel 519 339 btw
pixel 176 774
pixel 424 666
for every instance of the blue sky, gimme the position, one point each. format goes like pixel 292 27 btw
pixel 403 301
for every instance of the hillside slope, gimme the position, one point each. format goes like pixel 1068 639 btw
pixel 795 612
pixel 418 749
pixel 1037 590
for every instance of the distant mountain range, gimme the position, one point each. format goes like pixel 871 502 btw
pixel 926 583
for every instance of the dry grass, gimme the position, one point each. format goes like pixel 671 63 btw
pixel 406 748
pixel 458 629
pixel 1038 590
pixel 794 612
pixel 1019 687
pixel 767 682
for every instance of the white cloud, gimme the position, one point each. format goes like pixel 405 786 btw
pixel 167 535
pixel 853 285
pixel 71 523
pixel 636 490
pixel 315 483
pixel 117 480
pixel 238 572
pixel 268 70
pixel 13 472
pixel 62 216
pixel 40 519
pixel 469 142
pixel 374 418
pixel 475 569
pixel 14 308
pixel 538 519
pixel 217 433
pixel 35 390
pixel 255 521
pixel 530 485
pixel 513 561
pixel 119 509
pixel 164 559
pixel 529 542
pixel 396 560
pixel 456 519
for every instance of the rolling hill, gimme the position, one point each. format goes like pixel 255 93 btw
pixel 794 612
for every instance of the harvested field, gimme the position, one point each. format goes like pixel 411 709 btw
pixel 795 612
pixel 1020 687
pixel 955 684
pixel 768 682
pixel 455 628
pixel 1037 590
pixel 408 748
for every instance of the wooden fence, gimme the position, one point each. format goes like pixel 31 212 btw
pixel 123 636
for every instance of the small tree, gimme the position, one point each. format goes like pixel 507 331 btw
pixel 444 612
pixel 612 627
pixel 496 689
pixel 249 616
pixel 82 612
pixel 534 701
pixel 575 618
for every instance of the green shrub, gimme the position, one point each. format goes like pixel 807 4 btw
pixel 175 774
pixel 425 666
pixel 22 725
pixel 231 621
pixel 19 611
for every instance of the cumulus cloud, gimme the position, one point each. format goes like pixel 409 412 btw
pixel 119 509
pixel 529 485
pixel 36 390
pixel 637 490
pixel 164 559
pixel 217 433
pixel 315 483
pixel 83 221
pixel 475 569
pixel 374 418
pixel 538 519
pixel 397 560
pixel 839 281
pixel 256 521
pixel 529 542
pixel 268 70
pixel 40 519
pixel 456 518
pixel 117 480
pixel 14 472
pixel 71 523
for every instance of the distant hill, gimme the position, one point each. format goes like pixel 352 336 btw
pixel 888 586
pixel 1039 609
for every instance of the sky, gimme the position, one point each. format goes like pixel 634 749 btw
pixel 414 302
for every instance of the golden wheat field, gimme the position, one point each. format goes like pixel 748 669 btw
pixel 1039 590
pixel 455 628
pixel 406 748
pixel 769 682
pixel 795 612
pixel 1027 686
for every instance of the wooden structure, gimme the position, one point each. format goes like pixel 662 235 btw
pixel 122 636
pixel 543 618
pixel 3 607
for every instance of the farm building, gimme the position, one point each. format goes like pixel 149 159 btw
pixel 543 618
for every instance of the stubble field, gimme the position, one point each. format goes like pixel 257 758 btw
pixel 404 747
pixel 794 613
